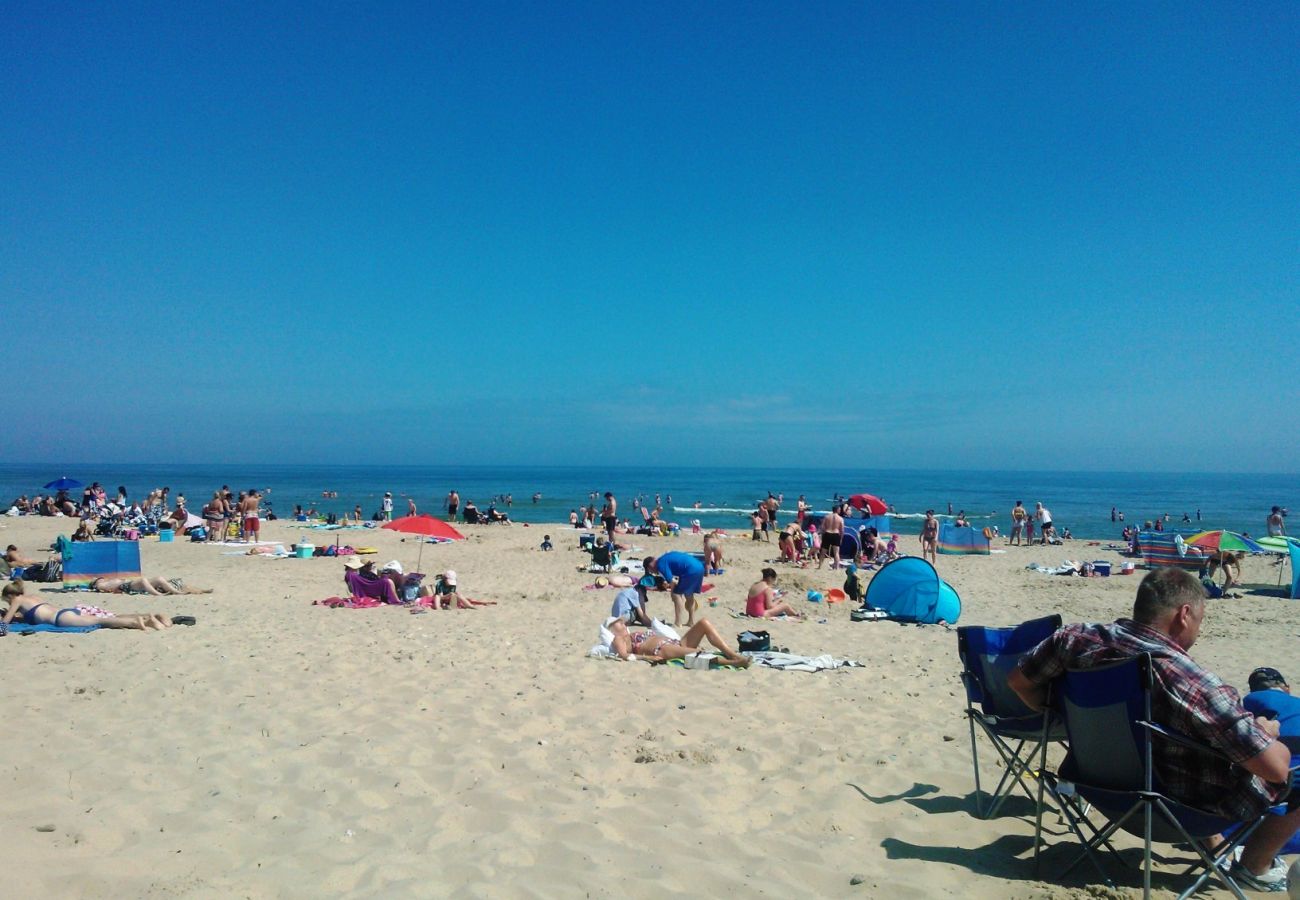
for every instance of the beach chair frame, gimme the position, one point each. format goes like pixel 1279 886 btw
pixel 1107 716
pixel 1019 735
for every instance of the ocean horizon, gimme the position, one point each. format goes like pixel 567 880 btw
pixel 1079 500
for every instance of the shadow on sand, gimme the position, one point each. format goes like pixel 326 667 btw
pixel 1010 856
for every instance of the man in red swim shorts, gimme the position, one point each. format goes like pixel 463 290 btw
pixel 249 510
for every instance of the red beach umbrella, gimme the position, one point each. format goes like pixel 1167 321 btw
pixel 425 526
pixel 870 502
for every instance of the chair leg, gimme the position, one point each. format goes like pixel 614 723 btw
pixel 975 757
pixel 1146 851
pixel 1099 838
pixel 1209 864
pixel 1038 810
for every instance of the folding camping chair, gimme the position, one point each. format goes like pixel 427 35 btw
pixel 1018 734
pixel 603 556
pixel 1107 713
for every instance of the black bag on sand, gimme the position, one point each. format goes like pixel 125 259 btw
pixel 44 572
pixel 754 641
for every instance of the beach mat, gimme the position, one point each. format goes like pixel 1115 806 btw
pixel 24 628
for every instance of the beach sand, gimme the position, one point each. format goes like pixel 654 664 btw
pixel 281 749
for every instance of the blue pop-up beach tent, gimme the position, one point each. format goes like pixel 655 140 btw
pixel 910 590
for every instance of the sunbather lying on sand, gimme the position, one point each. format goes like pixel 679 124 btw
pixel 655 648
pixel 156 585
pixel 16 559
pixel 35 611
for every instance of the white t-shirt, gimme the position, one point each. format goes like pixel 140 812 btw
pixel 1044 517
pixel 388 504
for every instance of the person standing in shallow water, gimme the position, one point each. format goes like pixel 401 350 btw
pixel 1018 516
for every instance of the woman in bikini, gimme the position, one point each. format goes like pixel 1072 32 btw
pixel 930 537
pixel 34 611
pixel 655 648
pixel 214 517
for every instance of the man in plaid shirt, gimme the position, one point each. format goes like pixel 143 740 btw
pixel 1166 621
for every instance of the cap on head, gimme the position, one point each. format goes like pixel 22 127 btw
pixel 449 577
pixel 1264 678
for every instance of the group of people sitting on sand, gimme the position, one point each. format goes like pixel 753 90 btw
pixel 409 588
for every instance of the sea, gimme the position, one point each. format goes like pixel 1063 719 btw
pixel 716 497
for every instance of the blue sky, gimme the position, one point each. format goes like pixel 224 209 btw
pixel 939 235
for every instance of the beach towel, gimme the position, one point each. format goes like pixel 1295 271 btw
pixel 791 662
pixel 1067 568
pixel 24 628
pixel 702 660
pixel 369 603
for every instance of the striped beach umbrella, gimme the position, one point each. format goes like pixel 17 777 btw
pixel 1224 542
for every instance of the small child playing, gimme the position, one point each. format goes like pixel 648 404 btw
pixel 546 542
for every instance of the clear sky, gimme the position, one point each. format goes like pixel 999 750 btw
pixel 967 235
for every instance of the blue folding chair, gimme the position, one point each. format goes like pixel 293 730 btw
pixel 1018 734
pixel 1107 713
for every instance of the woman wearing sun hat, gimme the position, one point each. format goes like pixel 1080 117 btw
pixel 446 593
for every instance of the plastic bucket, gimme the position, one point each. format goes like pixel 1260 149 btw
pixel 835 595
pixel 165 536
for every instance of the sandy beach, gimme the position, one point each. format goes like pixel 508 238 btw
pixel 282 749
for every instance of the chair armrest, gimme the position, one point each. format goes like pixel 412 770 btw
pixel 1183 740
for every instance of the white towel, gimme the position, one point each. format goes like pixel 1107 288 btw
pixel 791 662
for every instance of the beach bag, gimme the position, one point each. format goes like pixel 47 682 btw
pixel 198 534
pixel 44 572
pixel 754 641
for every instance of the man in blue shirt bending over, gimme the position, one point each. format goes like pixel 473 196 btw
pixel 685 576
